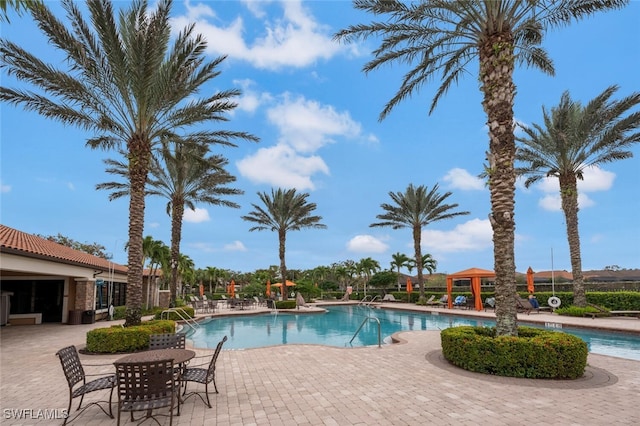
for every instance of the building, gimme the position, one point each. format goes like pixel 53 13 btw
pixel 42 281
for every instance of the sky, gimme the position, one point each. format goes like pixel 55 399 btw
pixel 316 114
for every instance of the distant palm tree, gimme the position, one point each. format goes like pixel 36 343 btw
pixel 122 81
pixel 367 267
pixel 400 260
pixel 283 211
pixel 153 250
pixel 429 263
pixel 443 39
pixel 573 138
pixel 416 208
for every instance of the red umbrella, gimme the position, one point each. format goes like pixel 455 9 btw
pixel 268 292
pixel 409 288
pixel 530 287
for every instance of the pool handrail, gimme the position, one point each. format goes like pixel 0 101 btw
pixel 184 316
pixel 362 325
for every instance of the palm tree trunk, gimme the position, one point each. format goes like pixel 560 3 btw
pixel 569 196
pixel 177 210
pixel 139 150
pixel 417 236
pixel 496 75
pixel 282 238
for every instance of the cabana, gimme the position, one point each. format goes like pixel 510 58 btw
pixel 474 275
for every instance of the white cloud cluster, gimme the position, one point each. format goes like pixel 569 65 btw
pixel 235 246
pixel 595 179
pixel 304 126
pixel 461 179
pixel 196 216
pixel 474 235
pixel 366 244
pixel 295 39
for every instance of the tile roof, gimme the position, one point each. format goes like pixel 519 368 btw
pixel 18 242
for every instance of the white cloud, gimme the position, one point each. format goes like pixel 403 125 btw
pixel 196 216
pixel 4 188
pixel 473 235
pixel 250 100
pixel 294 39
pixel 281 166
pixel 595 179
pixel 235 246
pixel 71 186
pixel 462 179
pixel 153 225
pixel 366 244
pixel 307 125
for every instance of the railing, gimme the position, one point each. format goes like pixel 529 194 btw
pixel 368 300
pixel 362 325
pixel 183 315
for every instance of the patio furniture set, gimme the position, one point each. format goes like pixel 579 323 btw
pixel 145 381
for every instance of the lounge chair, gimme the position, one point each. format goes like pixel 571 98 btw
pixel 600 311
pixel 389 298
pixel 490 303
pixel 440 302
pixel 626 313
pixel 523 305
pixel 460 302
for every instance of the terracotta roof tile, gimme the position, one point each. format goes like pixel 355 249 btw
pixel 33 246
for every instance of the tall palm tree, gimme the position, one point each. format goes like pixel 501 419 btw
pixel 283 211
pixel 152 251
pixel 442 38
pixel 429 263
pixel 366 268
pixel 572 138
pixel 414 209
pixel 400 260
pixel 122 81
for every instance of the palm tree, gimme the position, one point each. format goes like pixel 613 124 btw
pixel 572 138
pixel 124 83
pixel 416 208
pixel 17 5
pixel 442 37
pixel 400 260
pixel 152 250
pixel 367 267
pixel 429 263
pixel 284 210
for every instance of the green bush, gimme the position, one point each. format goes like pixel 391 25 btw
pixel 534 353
pixel 173 315
pixel 285 304
pixel 118 339
pixel 575 311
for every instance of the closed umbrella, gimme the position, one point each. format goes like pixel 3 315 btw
pixel 232 289
pixel 268 292
pixel 409 288
pixel 530 287
pixel 201 290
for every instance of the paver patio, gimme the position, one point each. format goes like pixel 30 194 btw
pixel 401 384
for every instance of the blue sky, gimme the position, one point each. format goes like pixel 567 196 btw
pixel 316 113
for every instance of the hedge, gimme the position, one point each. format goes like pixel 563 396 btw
pixel 118 339
pixel 534 353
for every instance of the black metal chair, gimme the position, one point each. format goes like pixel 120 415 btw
pixel 202 375
pixel 147 386
pixel 74 372
pixel 167 341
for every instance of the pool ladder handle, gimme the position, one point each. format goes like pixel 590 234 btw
pixel 362 325
pixel 366 302
pixel 184 316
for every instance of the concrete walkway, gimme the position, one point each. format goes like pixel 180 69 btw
pixel 401 384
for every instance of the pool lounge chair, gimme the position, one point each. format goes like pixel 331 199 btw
pixel 460 302
pixel 440 302
pixel 389 298
pixel 523 305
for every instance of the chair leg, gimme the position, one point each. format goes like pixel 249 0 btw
pixel 206 392
pixel 68 408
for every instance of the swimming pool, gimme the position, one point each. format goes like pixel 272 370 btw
pixel 337 326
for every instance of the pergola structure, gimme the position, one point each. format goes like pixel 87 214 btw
pixel 474 275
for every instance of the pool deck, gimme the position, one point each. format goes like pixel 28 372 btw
pixel 401 384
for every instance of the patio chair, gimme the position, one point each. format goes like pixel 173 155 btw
pixel 271 304
pixel 202 375
pixel 147 386
pixel 490 303
pixel 523 305
pixel 440 302
pixel 459 302
pixel 74 372
pixel 167 341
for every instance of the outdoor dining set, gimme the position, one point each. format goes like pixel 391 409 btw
pixel 145 381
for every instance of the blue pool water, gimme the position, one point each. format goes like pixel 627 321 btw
pixel 337 326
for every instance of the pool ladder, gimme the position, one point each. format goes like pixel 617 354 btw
pixel 184 316
pixel 369 318
pixel 368 300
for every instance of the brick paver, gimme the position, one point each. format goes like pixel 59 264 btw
pixel 401 384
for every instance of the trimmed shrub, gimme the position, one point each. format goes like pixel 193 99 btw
pixel 173 316
pixel 286 304
pixel 534 353
pixel 118 339
pixel 575 311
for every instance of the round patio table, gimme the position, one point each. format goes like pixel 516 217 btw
pixel 179 356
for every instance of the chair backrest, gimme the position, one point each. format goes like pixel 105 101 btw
pixel 430 299
pixel 214 358
pixel 145 381
pixel 271 304
pixel 167 341
pixel 71 365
